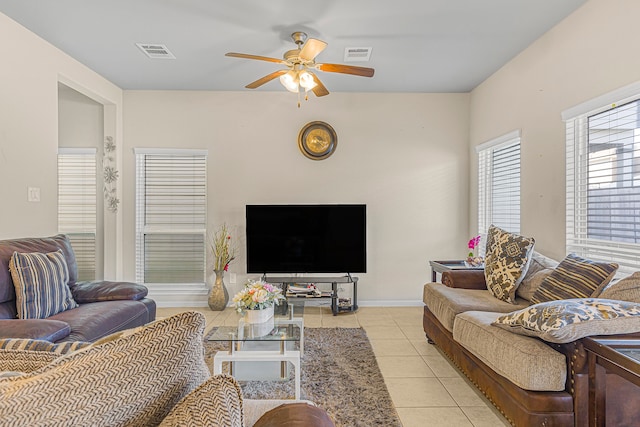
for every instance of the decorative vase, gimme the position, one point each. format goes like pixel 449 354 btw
pixel 258 316
pixel 218 294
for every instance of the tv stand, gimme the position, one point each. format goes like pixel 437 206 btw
pixel 335 306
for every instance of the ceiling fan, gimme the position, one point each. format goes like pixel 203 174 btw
pixel 300 64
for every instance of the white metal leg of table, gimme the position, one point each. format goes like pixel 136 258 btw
pixel 292 356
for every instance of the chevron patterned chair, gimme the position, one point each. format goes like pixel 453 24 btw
pixel 151 375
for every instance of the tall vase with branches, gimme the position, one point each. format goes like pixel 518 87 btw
pixel 223 251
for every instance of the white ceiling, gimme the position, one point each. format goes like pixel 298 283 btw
pixel 418 45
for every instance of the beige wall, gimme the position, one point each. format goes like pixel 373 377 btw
pixel 593 51
pixel 29 80
pixel 29 125
pixel 404 155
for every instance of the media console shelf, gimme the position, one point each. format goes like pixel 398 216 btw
pixel 335 281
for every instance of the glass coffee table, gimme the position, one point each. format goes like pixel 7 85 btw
pixel 280 339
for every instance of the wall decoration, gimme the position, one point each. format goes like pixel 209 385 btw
pixel 317 140
pixel 110 174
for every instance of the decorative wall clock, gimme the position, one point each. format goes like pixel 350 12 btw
pixel 317 140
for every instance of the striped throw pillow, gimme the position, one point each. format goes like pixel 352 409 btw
pixel 41 284
pixel 574 277
pixel 24 344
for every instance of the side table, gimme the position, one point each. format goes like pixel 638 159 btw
pixel 442 266
pixel 620 357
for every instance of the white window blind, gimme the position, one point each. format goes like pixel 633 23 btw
pixel 171 212
pixel 77 205
pixel 603 184
pixel 499 183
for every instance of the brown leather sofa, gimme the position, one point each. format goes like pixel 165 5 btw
pixel 521 407
pixel 104 307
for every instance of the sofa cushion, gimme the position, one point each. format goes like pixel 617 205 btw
pixel 445 303
pixel 86 292
pixel 41 284
pixel 134 380
pixel 533 283
pixel 37 329
pixel 574 277
pixel 506 261
pixel 568 320
pixel 90 322
pixel 527 362
pixel 216 403
pixel 539 262
pixel 625 289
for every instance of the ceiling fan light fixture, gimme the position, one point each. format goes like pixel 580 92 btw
pixel 290 81
pixel 306 80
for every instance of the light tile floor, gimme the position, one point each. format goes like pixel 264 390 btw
pixel 425 387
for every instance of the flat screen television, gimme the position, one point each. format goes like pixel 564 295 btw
pixel 306 238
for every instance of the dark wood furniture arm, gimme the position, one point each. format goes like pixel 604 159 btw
pixel 465 279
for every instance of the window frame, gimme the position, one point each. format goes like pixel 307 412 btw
pixel 142 229
pixel 627 255
pixel 486 181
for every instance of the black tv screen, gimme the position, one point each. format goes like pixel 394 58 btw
pixel 306 238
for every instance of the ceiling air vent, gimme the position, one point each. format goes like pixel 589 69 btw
pixel 357 54
pixel 155 51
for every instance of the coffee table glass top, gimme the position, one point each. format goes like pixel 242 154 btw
pixel 283 326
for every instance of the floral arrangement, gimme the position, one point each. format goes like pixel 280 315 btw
pixel 474 261
pixel 223 248
pixel 257 295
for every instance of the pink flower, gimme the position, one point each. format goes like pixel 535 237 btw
pixel 226 267
pixel 474 242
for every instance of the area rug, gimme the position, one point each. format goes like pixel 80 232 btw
pixel 339 373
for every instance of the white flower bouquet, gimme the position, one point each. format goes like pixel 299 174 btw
pixel 257 295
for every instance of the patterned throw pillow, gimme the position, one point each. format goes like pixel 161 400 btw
pixel 506 261
pixel 626 289
pixel 41 284
pixel 574 277
pixel 568 320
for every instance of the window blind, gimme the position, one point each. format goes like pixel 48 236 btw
pixel 603 184
pixel 77 205
pixel 171 211
pixel 499 183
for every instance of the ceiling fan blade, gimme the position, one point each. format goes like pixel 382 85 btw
pixel 259 58
pixel 346 69
pixel 266 79
pixel 311 49
pixel 319 89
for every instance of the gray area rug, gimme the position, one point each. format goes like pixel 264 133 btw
pixel 339 374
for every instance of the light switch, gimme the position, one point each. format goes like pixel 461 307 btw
pixel 232 278
pixel 33 194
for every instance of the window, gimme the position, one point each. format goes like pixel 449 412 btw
pixel 499 183
pixel 603 183
pixel 171 212
pixel 77 205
